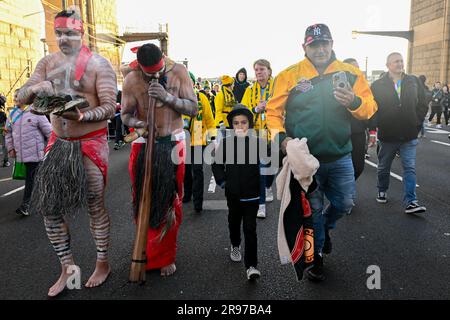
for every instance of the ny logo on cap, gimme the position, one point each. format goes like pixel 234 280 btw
pixel 317 31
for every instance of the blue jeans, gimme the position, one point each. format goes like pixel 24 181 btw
pixel 265 181
pixel 336 181
pixel 408 157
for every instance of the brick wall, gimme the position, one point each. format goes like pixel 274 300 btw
pixel 427 53
pixel 20 44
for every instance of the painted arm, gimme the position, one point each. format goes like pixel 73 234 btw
pixel 187 103
pixel 35 84
pixel 129 106
pixel 106 86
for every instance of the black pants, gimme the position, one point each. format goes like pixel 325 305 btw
pixel 29 181
pixel 247 211
pixel 119 129
pixel 358 153
pixel 446 115
pixel 194 178
pixel 435 111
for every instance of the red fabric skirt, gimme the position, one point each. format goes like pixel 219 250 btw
pixel 162 252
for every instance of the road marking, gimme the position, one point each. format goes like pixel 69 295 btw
pixel 7 179
pixel 443 143
pixel 436 131
pixel 12 192
pixel 396 176
pixel 215 205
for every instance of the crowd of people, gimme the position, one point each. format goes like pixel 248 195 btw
pixel 315 117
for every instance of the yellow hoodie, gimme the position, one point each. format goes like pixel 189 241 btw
pixel 224 103
pixel 202 123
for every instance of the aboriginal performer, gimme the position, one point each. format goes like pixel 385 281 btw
pixel 154 76
pixel 73 174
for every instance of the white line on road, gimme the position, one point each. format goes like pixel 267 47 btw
pixel 7 179
pixel 396 176
pixel 443 143
pixel 12 192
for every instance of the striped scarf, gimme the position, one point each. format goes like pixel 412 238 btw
pixel 228 95
pixel 256 97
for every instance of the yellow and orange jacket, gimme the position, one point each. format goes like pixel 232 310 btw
pixel 303 106
pixel 201 124
pixel 252 97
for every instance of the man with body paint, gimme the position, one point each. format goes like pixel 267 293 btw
pixel 156 77
pixel 74 171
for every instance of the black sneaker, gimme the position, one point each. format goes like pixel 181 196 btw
pixel 116 146
pixel 23 211
pixel 315 273
pixel 414 207
pixel 6 164
pixel 382 197
pixel 327 246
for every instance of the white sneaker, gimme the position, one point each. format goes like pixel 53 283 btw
pixel 253 273
pixel 212 185
pixel 261 211
pixel 438 126
pixel 235 254
pixel 269 195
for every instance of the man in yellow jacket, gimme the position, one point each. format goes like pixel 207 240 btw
pixel 224 102
pixel 255 98
pixel 315 99
pixel 199 127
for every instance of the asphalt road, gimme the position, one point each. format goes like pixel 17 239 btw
pixel 411 251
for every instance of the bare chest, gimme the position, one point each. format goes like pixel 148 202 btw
pixel 63 75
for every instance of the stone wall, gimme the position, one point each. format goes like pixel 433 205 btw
pixel 429 54
pixel 20 45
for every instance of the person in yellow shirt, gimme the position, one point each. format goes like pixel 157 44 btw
pixel 255 98
pixel 210 95
pixel 224 102
pixel 199 127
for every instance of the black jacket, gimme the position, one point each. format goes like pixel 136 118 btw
pixel 241 178
pixel 445 102
pixel 240 87
pixel 436 97
pixel 399 120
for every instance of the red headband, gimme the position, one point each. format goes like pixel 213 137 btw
pixel 69 23
pixel 154 68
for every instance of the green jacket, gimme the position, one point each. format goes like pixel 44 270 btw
pixel 303 106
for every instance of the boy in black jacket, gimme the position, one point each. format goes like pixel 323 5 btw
pixel 236 168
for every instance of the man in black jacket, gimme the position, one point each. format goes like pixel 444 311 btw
pixel 402 108
pixel 436 104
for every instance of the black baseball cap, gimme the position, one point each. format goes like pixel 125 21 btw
pixel 317 32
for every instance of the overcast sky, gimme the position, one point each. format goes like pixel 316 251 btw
pixel 220 37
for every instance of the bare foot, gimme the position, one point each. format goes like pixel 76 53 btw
pixel 101 273
pixel 60 285
pixel 169 270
